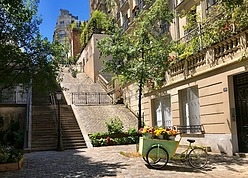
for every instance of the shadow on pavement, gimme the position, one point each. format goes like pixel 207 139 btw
pixel 214 161
pixel 60 164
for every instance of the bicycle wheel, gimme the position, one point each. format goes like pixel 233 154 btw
pixel 157 157
pixel 144 158
pixel 197 158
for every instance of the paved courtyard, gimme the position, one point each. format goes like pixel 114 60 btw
pixel 108 162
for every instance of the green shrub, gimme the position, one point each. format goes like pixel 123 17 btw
pixel 13 135
pixel 9 154
pixel 115 125
pixel 115 135
pixel 132 131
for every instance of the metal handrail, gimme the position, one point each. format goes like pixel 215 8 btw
pixel 91 98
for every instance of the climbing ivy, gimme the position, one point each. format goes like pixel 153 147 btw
pixel 225 18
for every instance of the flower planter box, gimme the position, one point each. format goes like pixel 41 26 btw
pixel 12 166
pixel 116 135
pixel 145 144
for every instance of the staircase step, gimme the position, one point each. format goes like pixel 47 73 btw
pixel 44 133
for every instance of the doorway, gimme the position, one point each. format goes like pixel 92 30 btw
pixel 241 105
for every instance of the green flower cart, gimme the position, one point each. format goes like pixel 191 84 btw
pixel 158 152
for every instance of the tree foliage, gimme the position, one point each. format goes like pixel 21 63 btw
pixel 99 23
pixel 24 54
pixel 141 54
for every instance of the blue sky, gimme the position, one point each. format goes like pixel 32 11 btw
pixel 49 11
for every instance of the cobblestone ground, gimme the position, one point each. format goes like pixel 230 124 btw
pixel 108 162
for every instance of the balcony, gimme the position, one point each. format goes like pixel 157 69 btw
pixel 141 5
pixel 226 52
pixel 135 13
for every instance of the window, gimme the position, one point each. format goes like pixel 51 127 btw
pixel 164 26
pixel 162 112
pixel 191 25
pixel 190 109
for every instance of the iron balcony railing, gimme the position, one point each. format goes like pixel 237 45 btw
pixel 125 24
pixel 191 129
pixel 91 98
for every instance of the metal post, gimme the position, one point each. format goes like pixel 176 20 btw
pixel 59 142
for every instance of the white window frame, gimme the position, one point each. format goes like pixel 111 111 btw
pixel 189 108
pixel 162 116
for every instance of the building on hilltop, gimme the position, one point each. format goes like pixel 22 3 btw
pixel 67 31
pixel 63 20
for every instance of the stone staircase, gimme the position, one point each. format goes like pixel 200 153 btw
pixel 77 121
pixel 71 133
pixel 44 129
pixel 44 135
pixel 92 118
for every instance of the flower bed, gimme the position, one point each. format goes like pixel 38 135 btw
pixel 10 158
pixel 106 139
pixel 158 133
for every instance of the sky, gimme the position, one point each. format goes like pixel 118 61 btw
pixel 49 10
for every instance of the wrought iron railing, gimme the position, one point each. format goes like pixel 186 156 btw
pixel 191 129
pixel 122 3
pixel 13 97
pixel 125 24
pixel 91 98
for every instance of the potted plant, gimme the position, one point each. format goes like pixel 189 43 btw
pixel 10 158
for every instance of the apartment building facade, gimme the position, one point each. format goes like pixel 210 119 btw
pixel 64 19
pixel 204 95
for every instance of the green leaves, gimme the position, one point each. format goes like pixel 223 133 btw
pixel 99 23
pixel 24 54
pixel 143 53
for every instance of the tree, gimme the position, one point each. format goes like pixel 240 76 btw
pixel 143 54
pixel 24 55
pixel 99 23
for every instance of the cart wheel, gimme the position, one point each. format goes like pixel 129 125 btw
pixel 157 157
pixel 198 158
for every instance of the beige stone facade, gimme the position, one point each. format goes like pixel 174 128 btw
pixel 89 59
pixel 205 93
